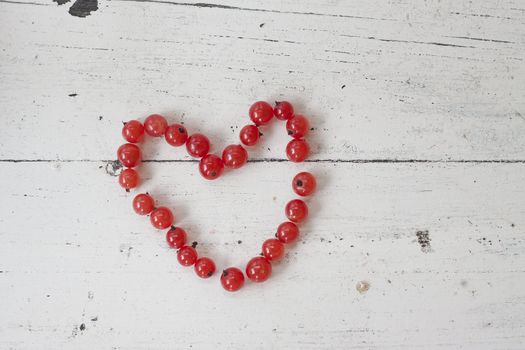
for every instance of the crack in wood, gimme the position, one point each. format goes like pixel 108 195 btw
pixel 228 7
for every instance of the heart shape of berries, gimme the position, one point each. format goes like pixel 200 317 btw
pixel 211 167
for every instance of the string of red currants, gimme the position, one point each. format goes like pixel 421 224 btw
pixel 211 167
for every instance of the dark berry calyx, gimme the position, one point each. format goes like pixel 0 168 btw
pixel 299 183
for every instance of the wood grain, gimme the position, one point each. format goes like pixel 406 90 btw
pixel 416 238
pixel 94 259
pixel 419 85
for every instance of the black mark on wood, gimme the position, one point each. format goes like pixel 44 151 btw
pixel 423 238
pixel 83 8
pixel 113 168
pixel 82 327
pixel 61 2
pixel 72 95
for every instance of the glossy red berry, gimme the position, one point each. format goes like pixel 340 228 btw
pixel 129 178
pixel 143 204
pixel 161 218
pixel 287 232
pixel 273 249
pixel 198 145
pixel 261 113
pixel 296 210
pixel 204 267
pixel 283 110
pixel 176 237
pixel 176 135
pixel 133 131
pixel 234 156
pixel 187 256
pixel 249 135
pixel 297 150
pixel 232 279
pixel 211 166
pixel 129 155
pixel 304 184
pixel 298 126
pixel 258 269
pixel 155 125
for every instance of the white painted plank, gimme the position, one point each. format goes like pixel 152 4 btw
pixel 72 252
pixel 421 80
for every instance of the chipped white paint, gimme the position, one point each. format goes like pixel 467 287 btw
pixel 440 243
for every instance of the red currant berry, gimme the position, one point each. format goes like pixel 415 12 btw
pixel 258 269
pixel 234 156
pixel 187 256
pixel 287 232
pixel 296 210
pixel 133 131
pixel 261 113
pixel 129 155
pixel 297 127
pixel 204 267
pixel 273 249
pixel 297 150
pixel 304 184
pixel 211 166
pixel 176 237
pixel 198 145
pixel 249 135
pixel 155 125
pixel 283 110
pixel 161 218
pixel 176 135
pixel 143 204
pixel 232 279
pixel 129 178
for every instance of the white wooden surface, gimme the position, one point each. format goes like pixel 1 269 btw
pixel 418 111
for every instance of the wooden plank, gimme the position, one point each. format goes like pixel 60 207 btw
pixel 80 270
pixel 402 81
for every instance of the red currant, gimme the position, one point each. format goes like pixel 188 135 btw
pixel 198 145
pixel 234 156
pixel 273 249
pixel 187 256
pixel 204 267
pixel 161 218
pixel 211 166
pixel 176 135
pixel 258 269
pixel 304 184
pixel 249 135
pixel 261 113
pixel 143 204
pixel 155 125
pixel 287 232
pixel 129 155
pixel 133 131
pixel 297 127
pixel 296 210
pixel 232 279
pixel 283 110
pixel 176 237
pixel 297 150
pixel 129 178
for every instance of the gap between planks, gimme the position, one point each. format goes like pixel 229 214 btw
pixel 280 160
